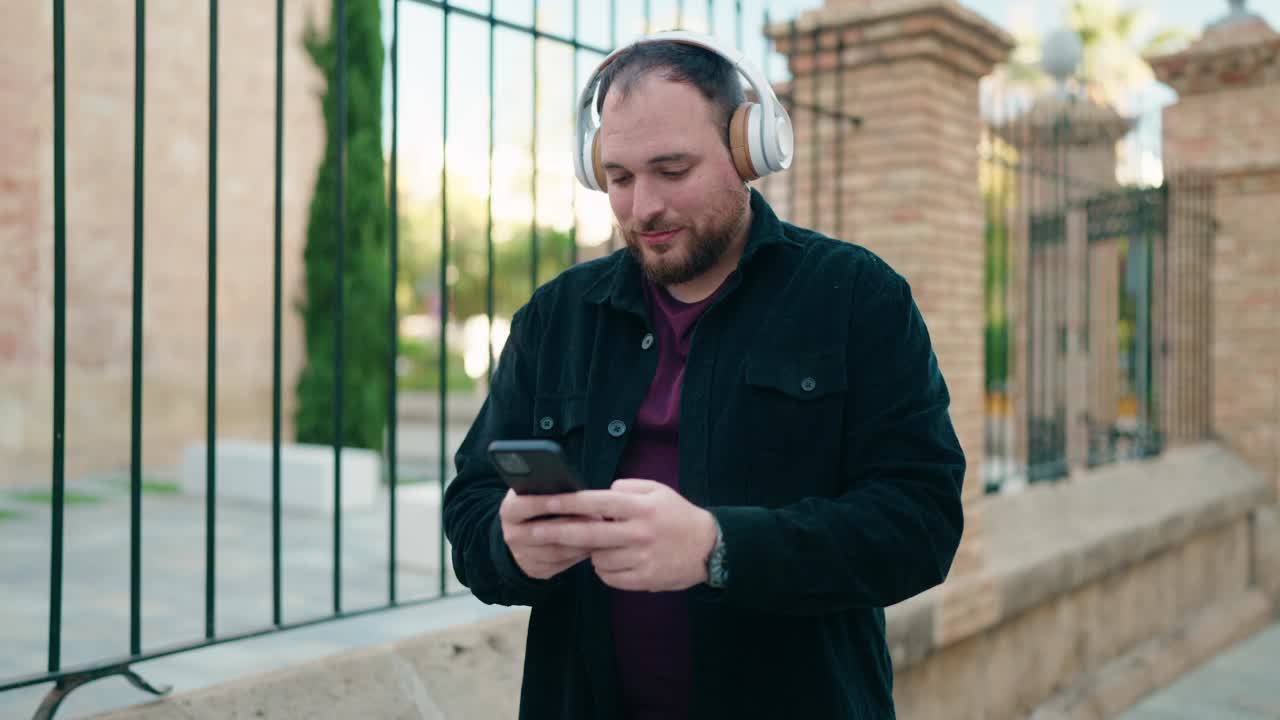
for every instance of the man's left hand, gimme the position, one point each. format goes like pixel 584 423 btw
pixel 652 540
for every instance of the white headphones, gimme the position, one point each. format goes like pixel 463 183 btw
pixel 761 139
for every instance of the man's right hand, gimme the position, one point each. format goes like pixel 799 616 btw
pixel 538 559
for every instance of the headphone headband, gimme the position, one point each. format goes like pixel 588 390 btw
pixel 769 136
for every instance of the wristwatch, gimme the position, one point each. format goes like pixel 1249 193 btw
pixel 717 562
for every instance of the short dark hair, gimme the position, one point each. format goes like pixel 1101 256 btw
pixel 713 76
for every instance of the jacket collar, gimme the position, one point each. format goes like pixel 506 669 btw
pixel 620 284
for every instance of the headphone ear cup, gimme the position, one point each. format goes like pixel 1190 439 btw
pixel 602 180
pixel 740 142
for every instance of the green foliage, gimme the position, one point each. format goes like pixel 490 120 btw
pixel 995 291
pixel 468 278
pixel 45 497
pixel 366 289
pixel 423 365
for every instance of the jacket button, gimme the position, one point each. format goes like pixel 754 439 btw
pixel 808 384
pixel 617 428
pixel 647 342
pixel 546 423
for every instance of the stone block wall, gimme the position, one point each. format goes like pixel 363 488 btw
pixel 99 200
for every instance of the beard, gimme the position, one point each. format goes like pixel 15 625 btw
pixel 703 245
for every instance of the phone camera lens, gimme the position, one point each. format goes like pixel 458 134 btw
pixel 513 464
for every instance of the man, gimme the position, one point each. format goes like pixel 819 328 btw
pixel 760 417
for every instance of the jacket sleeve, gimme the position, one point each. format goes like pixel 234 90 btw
pixel 895 530
pixel 481 559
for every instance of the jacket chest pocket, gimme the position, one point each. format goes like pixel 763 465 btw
pixel 793 412
pixel 561 417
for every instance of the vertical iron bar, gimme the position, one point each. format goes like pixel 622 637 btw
pixel 793 35
pixel 1177 289
pixel 1012 206
pixel 276 324
pixel 1187 284
pixel 1178 308
pixel 737 23
pixel 1196 370
pixel 1031 180
pixel 1144 335
pixel 211 362
pixel 59 331
pixel 814 142
pixel 842 123
pixel 488 212
pixel 1189 306
pixel 613 43
pixel 1190 289
pixel 573 100
pixel 1165 316
pixel 1008 175
pixel 711 17
pixel 135 442
pixel 533 162
pixel 392 401
pixel 444 275
pixel 1208 228
pixel 1060 319
pixel 533 176
pixel 987 168
pixel 340 114
pixel 1189 352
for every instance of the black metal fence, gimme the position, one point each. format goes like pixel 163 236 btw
pixel 1097 289
pixel 452 242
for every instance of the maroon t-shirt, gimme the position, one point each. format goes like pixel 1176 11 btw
pixel 651 630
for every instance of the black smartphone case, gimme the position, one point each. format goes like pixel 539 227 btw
pixel 548 471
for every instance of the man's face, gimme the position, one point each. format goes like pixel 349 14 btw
pixel 671 181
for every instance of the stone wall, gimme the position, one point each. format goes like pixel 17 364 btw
pixel 1105 588
pixel 99 200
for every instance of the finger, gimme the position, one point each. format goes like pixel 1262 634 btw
pixel 602 503
pixel 590 534
pixel 527 534
pixel 635 486
pixel 518 508
pixel 634 580
pixel 555 554
pixel 617 560
pixel 542 561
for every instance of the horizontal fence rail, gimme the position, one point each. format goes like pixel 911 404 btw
pixel 532 253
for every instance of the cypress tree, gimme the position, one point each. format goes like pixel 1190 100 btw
pixel 366 282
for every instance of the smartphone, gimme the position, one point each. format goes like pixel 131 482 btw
pixel 534 467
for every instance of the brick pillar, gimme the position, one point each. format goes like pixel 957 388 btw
pixel 1224 124
pixel 908 187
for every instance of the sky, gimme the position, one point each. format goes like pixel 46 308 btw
pixel 516 69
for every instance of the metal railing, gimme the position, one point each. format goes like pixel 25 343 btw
pixel 66 678
pixel 1096 345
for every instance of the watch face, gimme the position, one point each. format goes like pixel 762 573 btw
pixel 718 577
pixel 717 573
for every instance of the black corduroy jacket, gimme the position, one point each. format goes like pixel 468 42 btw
pixel 814 426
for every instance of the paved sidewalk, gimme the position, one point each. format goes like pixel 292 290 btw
pixel 95 620
pixel 1242 683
